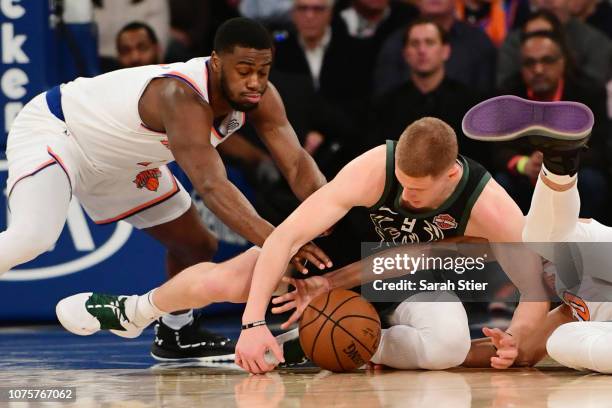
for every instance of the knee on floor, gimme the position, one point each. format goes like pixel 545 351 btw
pixel 447 352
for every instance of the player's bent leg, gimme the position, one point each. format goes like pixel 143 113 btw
pixel 186 239
pixel 582 346
pixel 39 207
pixel 432 335
pixel 553 214
pixel 128 316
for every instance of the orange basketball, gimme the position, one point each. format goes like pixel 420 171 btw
pixel 339 330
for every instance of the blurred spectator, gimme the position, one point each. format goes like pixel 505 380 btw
pixel 591 48
pixel 193 26
pixel 546 75
pixel 597 13
pixel 375 18
pixel 429 92
pixel 112 15
pixel 495 17
pixel 472 61
pixel 269 12
pixel 327 58
pixel 137 45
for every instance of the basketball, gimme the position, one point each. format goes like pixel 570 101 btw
pixel 339 330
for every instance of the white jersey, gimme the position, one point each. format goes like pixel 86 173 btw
pixel 101 114
pixel 590 299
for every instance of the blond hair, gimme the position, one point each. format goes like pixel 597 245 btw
pixel 427 147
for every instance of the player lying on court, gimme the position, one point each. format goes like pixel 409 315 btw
pixel 577 334
pixel 397 182
pixel 107 140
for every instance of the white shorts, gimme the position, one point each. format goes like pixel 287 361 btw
pixel 144 198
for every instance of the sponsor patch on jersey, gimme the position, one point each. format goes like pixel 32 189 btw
pixel 233 125
pixel 445 222
pixel 148 179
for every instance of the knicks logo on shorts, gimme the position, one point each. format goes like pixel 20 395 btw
pixel 445 222
pixel 148 179
pixel 580 310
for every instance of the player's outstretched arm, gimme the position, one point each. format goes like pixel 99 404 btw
pixel 496 217
pixel 188 120
pixel 275 131
pixel 360 183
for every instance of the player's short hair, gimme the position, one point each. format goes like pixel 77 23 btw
pixel 241 32
pixel 428 147
pixel 444 37
pixel 138 25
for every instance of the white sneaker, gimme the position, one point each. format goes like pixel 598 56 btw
pixel 86 313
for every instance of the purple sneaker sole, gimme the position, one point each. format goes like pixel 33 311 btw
pixel 509 117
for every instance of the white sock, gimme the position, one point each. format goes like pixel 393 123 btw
pixel 176 322
pixel 143 310
pixel 558 178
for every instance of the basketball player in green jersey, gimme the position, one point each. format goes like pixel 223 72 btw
pixel 416 190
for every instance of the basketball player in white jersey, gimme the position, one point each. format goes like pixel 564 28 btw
pixel 396 182
pixel 577 334
pixel 107 140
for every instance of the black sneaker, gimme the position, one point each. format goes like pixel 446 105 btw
pixel 191 342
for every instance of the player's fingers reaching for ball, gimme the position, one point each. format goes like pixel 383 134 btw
pixel 287 297
pixel 295 316
pixel 298 264
pixel 314 254
pixel 283 308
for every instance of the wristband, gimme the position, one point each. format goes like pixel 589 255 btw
pixel 253 324
pixel 521 164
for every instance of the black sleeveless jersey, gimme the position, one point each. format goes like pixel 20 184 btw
pixel 392 223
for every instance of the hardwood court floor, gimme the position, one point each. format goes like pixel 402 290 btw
pixel 111 372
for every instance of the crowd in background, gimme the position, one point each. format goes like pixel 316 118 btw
pixel 353 73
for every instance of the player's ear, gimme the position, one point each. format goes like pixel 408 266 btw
pixel 215 61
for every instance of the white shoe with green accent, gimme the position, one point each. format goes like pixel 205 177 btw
pixel 87 313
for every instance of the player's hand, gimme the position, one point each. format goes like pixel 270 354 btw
pixel 506 345
pixel 305 291
pixel 251 347
pixel 313 254
pixel 534 164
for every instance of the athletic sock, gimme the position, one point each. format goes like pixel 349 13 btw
pixel 556 178
pixel 177 322
pixel 144 311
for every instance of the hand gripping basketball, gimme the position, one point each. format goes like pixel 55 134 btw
pixel 305 291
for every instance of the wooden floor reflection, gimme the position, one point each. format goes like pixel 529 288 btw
pixel 109 371
pixel 226 387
